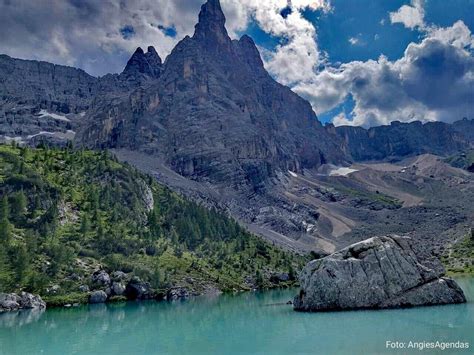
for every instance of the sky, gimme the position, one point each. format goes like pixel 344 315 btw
pixel 358 62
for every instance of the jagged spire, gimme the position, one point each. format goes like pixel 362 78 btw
pixel 211 25
pixel 148 63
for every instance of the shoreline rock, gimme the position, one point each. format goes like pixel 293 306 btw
pixel 97 297
pixel 380 272
pixel 13 302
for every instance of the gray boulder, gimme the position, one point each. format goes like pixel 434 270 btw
pixel 177 294
pixel 9 302
pixel 118 288
pixel 138 289
pixel 29 301
pixel 101 277
pixel 14 302
pixel 119 276
pixel 98 297
pixel 380 272
pixel 84 288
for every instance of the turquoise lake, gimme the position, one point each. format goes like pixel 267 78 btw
pixel 251 323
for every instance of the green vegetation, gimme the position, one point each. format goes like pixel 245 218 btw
pixel 65 213
pixel 463 160
pixel 459 259
pixel 376 199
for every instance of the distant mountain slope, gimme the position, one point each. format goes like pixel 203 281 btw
pixel 399 140
pixel 41 97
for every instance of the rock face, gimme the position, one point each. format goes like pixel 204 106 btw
pixel 214 114
pixel 14 302
pixel 399 140
pixel 148 64
pixel 381 272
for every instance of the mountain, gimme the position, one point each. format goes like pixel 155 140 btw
pixel 399 140
pixel 42 97
pixel 214 113
pixel 210 123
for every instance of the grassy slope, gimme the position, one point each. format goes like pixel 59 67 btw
pixel 463 160
pixel 459 259
pixel 70 212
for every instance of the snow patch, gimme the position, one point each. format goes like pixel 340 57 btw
pixel 68 135
pixel 293 174
pixel 341 171
pixel 8 139
pixel 55 116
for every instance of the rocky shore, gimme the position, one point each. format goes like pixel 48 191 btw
pixel 14 302
pixel 380 272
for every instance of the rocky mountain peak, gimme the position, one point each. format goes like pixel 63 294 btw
pixel 211 25
pixel 148 64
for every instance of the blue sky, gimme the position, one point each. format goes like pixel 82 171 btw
pixel 358 62
pixel 362 30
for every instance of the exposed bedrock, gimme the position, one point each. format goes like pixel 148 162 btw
pixel 380 272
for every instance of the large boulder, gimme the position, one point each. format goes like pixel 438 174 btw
pixel 14 302
pixel 380 272
pixel 9 302
pixel 101 278
pixel 138 289
pixel 98 297
pixel 118 288
pixel 29 301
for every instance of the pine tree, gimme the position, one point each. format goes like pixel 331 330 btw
pixel 20 262
pixel 85 225
pixel 5 228
pixel 5 270
pixel 19 204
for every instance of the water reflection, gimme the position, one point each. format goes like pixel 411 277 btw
pixel 20 318
pixel 245 324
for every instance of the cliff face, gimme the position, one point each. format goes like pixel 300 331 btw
pixel 30 91
pixel 214 113
pixel 406 139
pixel 211 123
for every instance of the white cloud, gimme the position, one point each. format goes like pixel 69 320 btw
pixel 433 81
pixel 292 61
pixel 353 41
pixel 411 16
pixel 342 120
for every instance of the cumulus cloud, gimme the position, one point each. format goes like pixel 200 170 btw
pixel 433 81
pixel 299 54
pixel 411 16
pixel 98 36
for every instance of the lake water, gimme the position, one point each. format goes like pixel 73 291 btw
pixel 245 324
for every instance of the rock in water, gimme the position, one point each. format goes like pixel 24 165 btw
pixel 380 272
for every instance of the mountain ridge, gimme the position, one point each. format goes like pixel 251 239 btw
pixel 210 122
